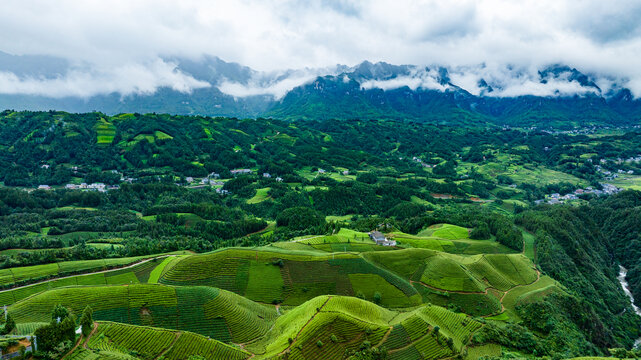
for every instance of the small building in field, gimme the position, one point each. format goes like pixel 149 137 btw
pixel 240 171
pixel 380 239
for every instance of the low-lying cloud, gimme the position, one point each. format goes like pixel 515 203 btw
pixel 274 84
pixel 113 46
pixel 85 82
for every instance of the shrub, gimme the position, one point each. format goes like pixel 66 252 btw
pixel 377 297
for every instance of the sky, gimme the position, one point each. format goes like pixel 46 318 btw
pixel 118 45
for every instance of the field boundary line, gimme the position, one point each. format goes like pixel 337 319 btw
pixel 92 333
pixel 86 274
pixel 178 333
pixel 73 348
pixel 385 336
pixel 304 326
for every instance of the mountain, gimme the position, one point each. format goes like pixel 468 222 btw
pixel 557 96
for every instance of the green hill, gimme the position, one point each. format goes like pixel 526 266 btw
pixel 208 311
pixel 119 341
pixel 291 277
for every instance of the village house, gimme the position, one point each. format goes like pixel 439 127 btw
pixel 240 171
pixel 380 239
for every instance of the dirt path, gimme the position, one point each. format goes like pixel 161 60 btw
pixel 73 349
pixel 469 339
pixel 304 326
pixel 453 291
pixel 538 277
pixel 169 347
pixel 385 337
pixel 89 273
pixel 410 344
pixel 93 331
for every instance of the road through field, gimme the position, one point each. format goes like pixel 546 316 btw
pixel 90 273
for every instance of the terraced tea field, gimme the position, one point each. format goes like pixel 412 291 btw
pixel 119 341
pixel 304 299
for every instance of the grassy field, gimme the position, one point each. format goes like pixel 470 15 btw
pixel 473 283
pixel 445 231
pixel 321 328
pixel 261 195
pixel 20 275
pixel 454 246
pixel 317 296
pixel 528 245
pixel 105 132
pixel 290 276
pixel 141 273
pixel 533 292
pixel 505 164
pixel 631 182
pixel 208 311
pixel 325 327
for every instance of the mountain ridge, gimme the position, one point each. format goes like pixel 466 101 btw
pixel 433 94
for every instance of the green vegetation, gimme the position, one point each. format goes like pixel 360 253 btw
pixel 119 341
pixel 283 266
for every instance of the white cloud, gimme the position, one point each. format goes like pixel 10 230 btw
pixel 592 35
pixel 424 79
pixel 126 79
pixel 275 84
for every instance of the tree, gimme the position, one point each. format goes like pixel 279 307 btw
pixel 377 297
pixel 86 321
pixel 481 232
pixel 59 313
pixel 9 325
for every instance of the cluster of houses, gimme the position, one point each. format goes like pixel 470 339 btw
pixel 84 186
pixel 610 175
pixel 556 198
pixel 213 179
pixel 323 171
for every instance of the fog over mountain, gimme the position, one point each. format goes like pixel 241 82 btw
pixel 52 77
pixel 254 58
pixel 138 47
pixel 212 86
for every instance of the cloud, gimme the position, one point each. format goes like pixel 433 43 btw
pixel 269 35
pixel 424 79
pixel 126 80
pixel 274 84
